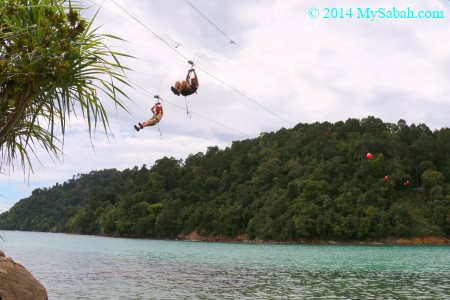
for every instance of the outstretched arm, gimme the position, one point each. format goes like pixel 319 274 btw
pixel 188 76
pixel 195 74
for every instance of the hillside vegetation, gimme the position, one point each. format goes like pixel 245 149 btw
pixel 309 182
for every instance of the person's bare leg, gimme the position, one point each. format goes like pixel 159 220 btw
pixel 150 122
pixel 183 86
pixel 176 88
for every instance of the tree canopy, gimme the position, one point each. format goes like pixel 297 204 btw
pixel 52 64
pixel 309 182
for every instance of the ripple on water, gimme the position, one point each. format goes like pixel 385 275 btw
pixel 77 267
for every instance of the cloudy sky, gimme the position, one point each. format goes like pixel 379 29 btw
pixel 284 68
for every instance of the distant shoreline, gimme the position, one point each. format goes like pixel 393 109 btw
pixel 431 240
pixel 427 240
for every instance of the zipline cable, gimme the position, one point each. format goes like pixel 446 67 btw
pixel 211 75
pixel 242 49
pixel 245 87
pixel 232 41
pixel 245 96
pixel 209 21
pixel 159 128
pixel 213 51
pixel 175 42
pixel 189 115
pixel 146 91
pixel 174 48
pixel 165 71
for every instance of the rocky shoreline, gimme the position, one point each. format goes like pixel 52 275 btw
pixel 427 240
pixel 16 282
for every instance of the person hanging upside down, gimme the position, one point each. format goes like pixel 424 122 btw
pixel 157 111
pixel 186 87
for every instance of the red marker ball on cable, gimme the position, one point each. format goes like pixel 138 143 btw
pixel 369 155
pixel 386 178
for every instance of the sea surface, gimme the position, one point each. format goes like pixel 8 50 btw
pixel 90 267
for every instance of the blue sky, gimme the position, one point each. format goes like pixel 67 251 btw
pixel 301 69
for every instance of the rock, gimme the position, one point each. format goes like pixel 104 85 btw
pixel 16 282
pixel 426 240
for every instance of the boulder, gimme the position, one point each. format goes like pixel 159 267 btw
pixel 16 282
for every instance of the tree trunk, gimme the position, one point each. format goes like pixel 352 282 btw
pixel 17 114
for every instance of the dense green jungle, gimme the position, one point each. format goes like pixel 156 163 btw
pixel 310 182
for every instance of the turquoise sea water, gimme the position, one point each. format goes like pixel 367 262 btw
pixel 88 267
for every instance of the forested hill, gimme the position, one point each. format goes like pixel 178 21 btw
pixel 310 182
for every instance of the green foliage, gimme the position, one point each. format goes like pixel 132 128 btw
pixel 310 182
pixel 53 64
pixel 432 182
